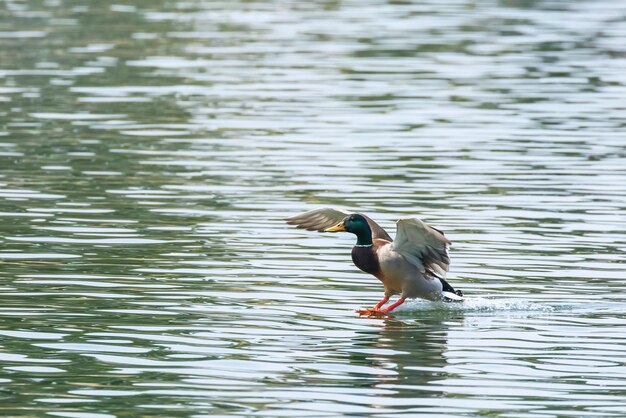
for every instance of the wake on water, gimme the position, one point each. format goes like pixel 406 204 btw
pixel 507 307
pixel 478 304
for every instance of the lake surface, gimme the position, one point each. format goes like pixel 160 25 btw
pixel 150 149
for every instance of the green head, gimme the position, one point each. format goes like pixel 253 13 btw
pixel 356 224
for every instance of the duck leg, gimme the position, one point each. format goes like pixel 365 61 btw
pixel 392 306
pixel 381 303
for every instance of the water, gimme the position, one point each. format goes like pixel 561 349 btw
pixel 149 151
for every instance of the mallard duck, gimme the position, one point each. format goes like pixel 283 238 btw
pixel 412 266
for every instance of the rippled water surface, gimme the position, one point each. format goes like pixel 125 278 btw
pixel 150 149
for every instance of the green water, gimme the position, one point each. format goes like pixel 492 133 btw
pixel 150 149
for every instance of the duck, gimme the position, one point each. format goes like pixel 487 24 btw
pixel 414 265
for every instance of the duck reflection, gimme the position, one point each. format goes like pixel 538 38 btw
pixel 415 350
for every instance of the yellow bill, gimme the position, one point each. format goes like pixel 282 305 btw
pixel 336 228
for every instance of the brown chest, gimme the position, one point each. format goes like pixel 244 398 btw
pixel 365 259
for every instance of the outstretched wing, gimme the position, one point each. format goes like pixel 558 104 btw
pixel 422 245
pixel 320 219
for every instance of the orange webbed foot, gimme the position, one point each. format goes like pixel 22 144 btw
pixel 377 312
pixel 365 311
pixel 372 313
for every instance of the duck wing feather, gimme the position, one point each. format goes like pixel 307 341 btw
pixel 320 219
pixel 423 246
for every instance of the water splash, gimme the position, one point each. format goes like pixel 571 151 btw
pixel 482 305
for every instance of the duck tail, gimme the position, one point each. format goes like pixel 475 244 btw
pixel 448 292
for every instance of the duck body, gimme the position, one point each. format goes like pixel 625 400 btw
pixel 407 279
pixel 412 266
